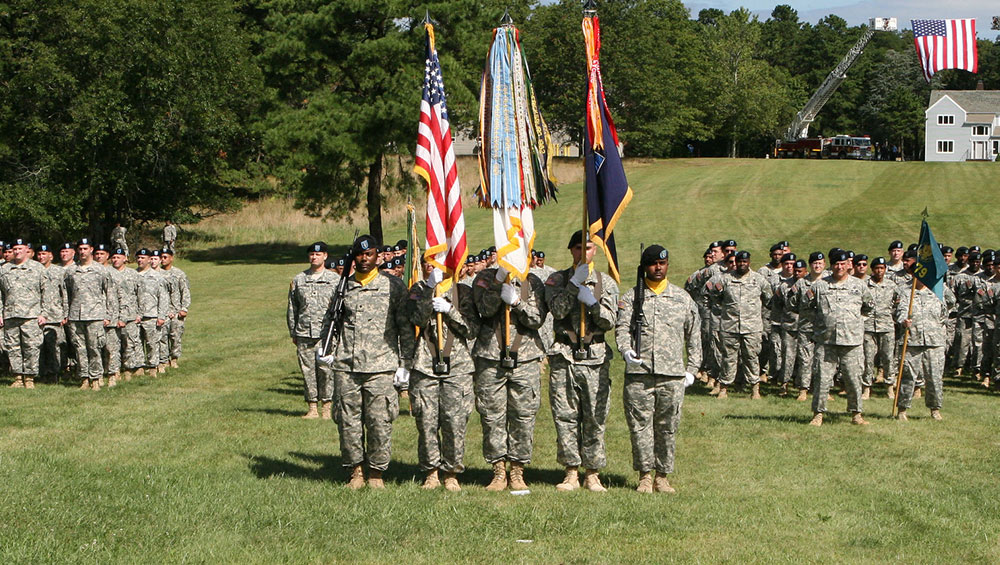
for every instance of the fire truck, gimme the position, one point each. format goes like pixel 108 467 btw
pixel 797 142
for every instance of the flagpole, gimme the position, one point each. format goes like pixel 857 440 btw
pixel 589 11
pixel 902 357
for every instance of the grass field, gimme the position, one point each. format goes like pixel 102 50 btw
pixel 211 463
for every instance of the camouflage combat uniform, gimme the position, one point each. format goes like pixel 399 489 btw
pixel 782 329
pixel 983 324
pixel 579 388
pixel 22 293
pixel 442 403
pixel 806 327
pixel 128 288
pixel 169 283
pixel 546 332
pixel 154 300
pixel 741 300
pixel 507 398
pixel 880 333
pixel 55 309
pixel 840 329
pixel 965 286
pixel 111 352
pixel 91 303
pixel 695 287
pixel 309 299
pixel 374 341
pixel 118 239
pixel 654 388
pixel 180 301
pixel 925 348
pixel 770 357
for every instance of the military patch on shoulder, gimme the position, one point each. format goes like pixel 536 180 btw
pixel 483 283
pixel 554 280
pixel 981 292
pixel 414 296
pixel 621 304
pixel 810 293
pixel 718 286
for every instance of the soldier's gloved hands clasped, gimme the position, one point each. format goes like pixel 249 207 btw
pixel 580 274
pixel 586 296
pixel 502 274
pixel 433 279
pixel 401 378
pixel 509 294
pixel 631 358
pixel 328 360
pixel 441 304
pixel 688 379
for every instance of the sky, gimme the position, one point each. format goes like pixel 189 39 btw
pixel 858 11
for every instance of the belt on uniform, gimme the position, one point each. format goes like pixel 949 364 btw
pixel 567 340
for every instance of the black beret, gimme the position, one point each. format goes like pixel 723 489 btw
pixel 167 251
pixel 708 252
pixel 833 250
pixel 18 241
pixel 989 256
pixel 896 245
pixel 142 252
pixel 341 261
pixel 991 251
pixel 838 256
pixel 363 243
pixel 492 249
pixel 730 243
pixel 946 249
pixel 401 244
pixel 784 243
pixel 44 247
pixel 470 259
pixel 974 248
pixel 910 254
pixel 963 250
pixel 30 245
pixel 859 258
pixel 800 264
pixel 102 247
pixel 541 255
pixel 399 262
pixel 66 245
pixel 534 253
pixel 156 253
pixel 118 251
pixel 397 248
pixel 974 256
pixel 715 244
pixel 776 247
pixel 788 257
pixel 318 247
pixel 878 261
pixel 816 256
pixel 83 241
pixel 912 247
pixel 652 254
pixel 575 239
pixel 742 255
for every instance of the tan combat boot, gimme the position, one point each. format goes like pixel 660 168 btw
pixel 891 393
pixel 716 388
pixel 592 481
pixel 357 478
pixel 29 382
pixel 660 484
pixel 311 414
pixel 858 420
pixel 755 394
pixel 803 395
pixel 100 381
pixel 113 380
pixel 936 414
pixel 18 382
pixel 161 368
pixel 140 372
pixel 517 476
pixel 451 483
pixel 127 375
pixel 817 420
pixel 986 382
pixel 173 363
pixel 723 393
pixel 327 413
pixel 95 384
pixel 763 378
pixel 710 383
pixel 645 482
pixel 703 376
pixel 499 481
pixel 918 392
pixel 375 479
pixel 866 392
pixel 431 481
pixel 901 416
pixel 85 385
pixel 571 481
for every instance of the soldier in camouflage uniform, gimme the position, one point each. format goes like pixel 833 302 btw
pixel 154 300
pixel 806 345
pixel 127 285
pixel 540 270
pixel 91 302
pixel 118 240
pixel 579 383
pixel 924 350
pixel 55 310
pixel 508 373
pixel 742 295
pixel 840 302
pixel 310 296
pixel 180 302
pixel 782 339
pixel 156 262
pixel 656 374
pixel 373 348
pixel 695 286
pixel 982 309
pixel 965 285
pixel 879 329
pixel 441 390
pixel 111 351
pixel 769 355
pixel 22 290
pixel 790 325
pixel 169 235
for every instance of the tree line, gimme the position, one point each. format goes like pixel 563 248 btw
pixel 137 110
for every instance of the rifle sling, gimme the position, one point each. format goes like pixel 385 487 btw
pixel 516 343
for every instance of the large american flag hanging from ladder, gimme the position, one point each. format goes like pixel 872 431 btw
pixel 946 44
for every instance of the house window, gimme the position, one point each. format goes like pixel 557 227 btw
pixel 946 147
pixel 996 147
pixel 980 130
pixel 946 120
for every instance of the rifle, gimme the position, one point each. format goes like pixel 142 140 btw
pixel 638 317
pixel 336 312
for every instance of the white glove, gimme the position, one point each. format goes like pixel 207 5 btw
pixel 441 304
pixel 328 360
pixel 688 379
pixel 586 296
pixel 433 279
pixel 401 378
pixel 502 274
pixel 580 274
pixel 631 358
pixel 510 295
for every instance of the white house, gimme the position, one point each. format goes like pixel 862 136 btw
pixel 962 125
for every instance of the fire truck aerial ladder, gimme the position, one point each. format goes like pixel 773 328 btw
pixel 800 125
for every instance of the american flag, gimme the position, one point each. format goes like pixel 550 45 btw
pixel 946 44
pixel 435 162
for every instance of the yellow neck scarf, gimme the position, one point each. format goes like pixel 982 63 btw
pixel 365 279
pixel 656 287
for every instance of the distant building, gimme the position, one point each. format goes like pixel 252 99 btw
pixel 962 125
pixel 468 145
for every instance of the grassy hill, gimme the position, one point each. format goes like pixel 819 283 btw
pixel 210 463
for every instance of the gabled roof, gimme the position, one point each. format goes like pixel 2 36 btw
pixel 978 101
